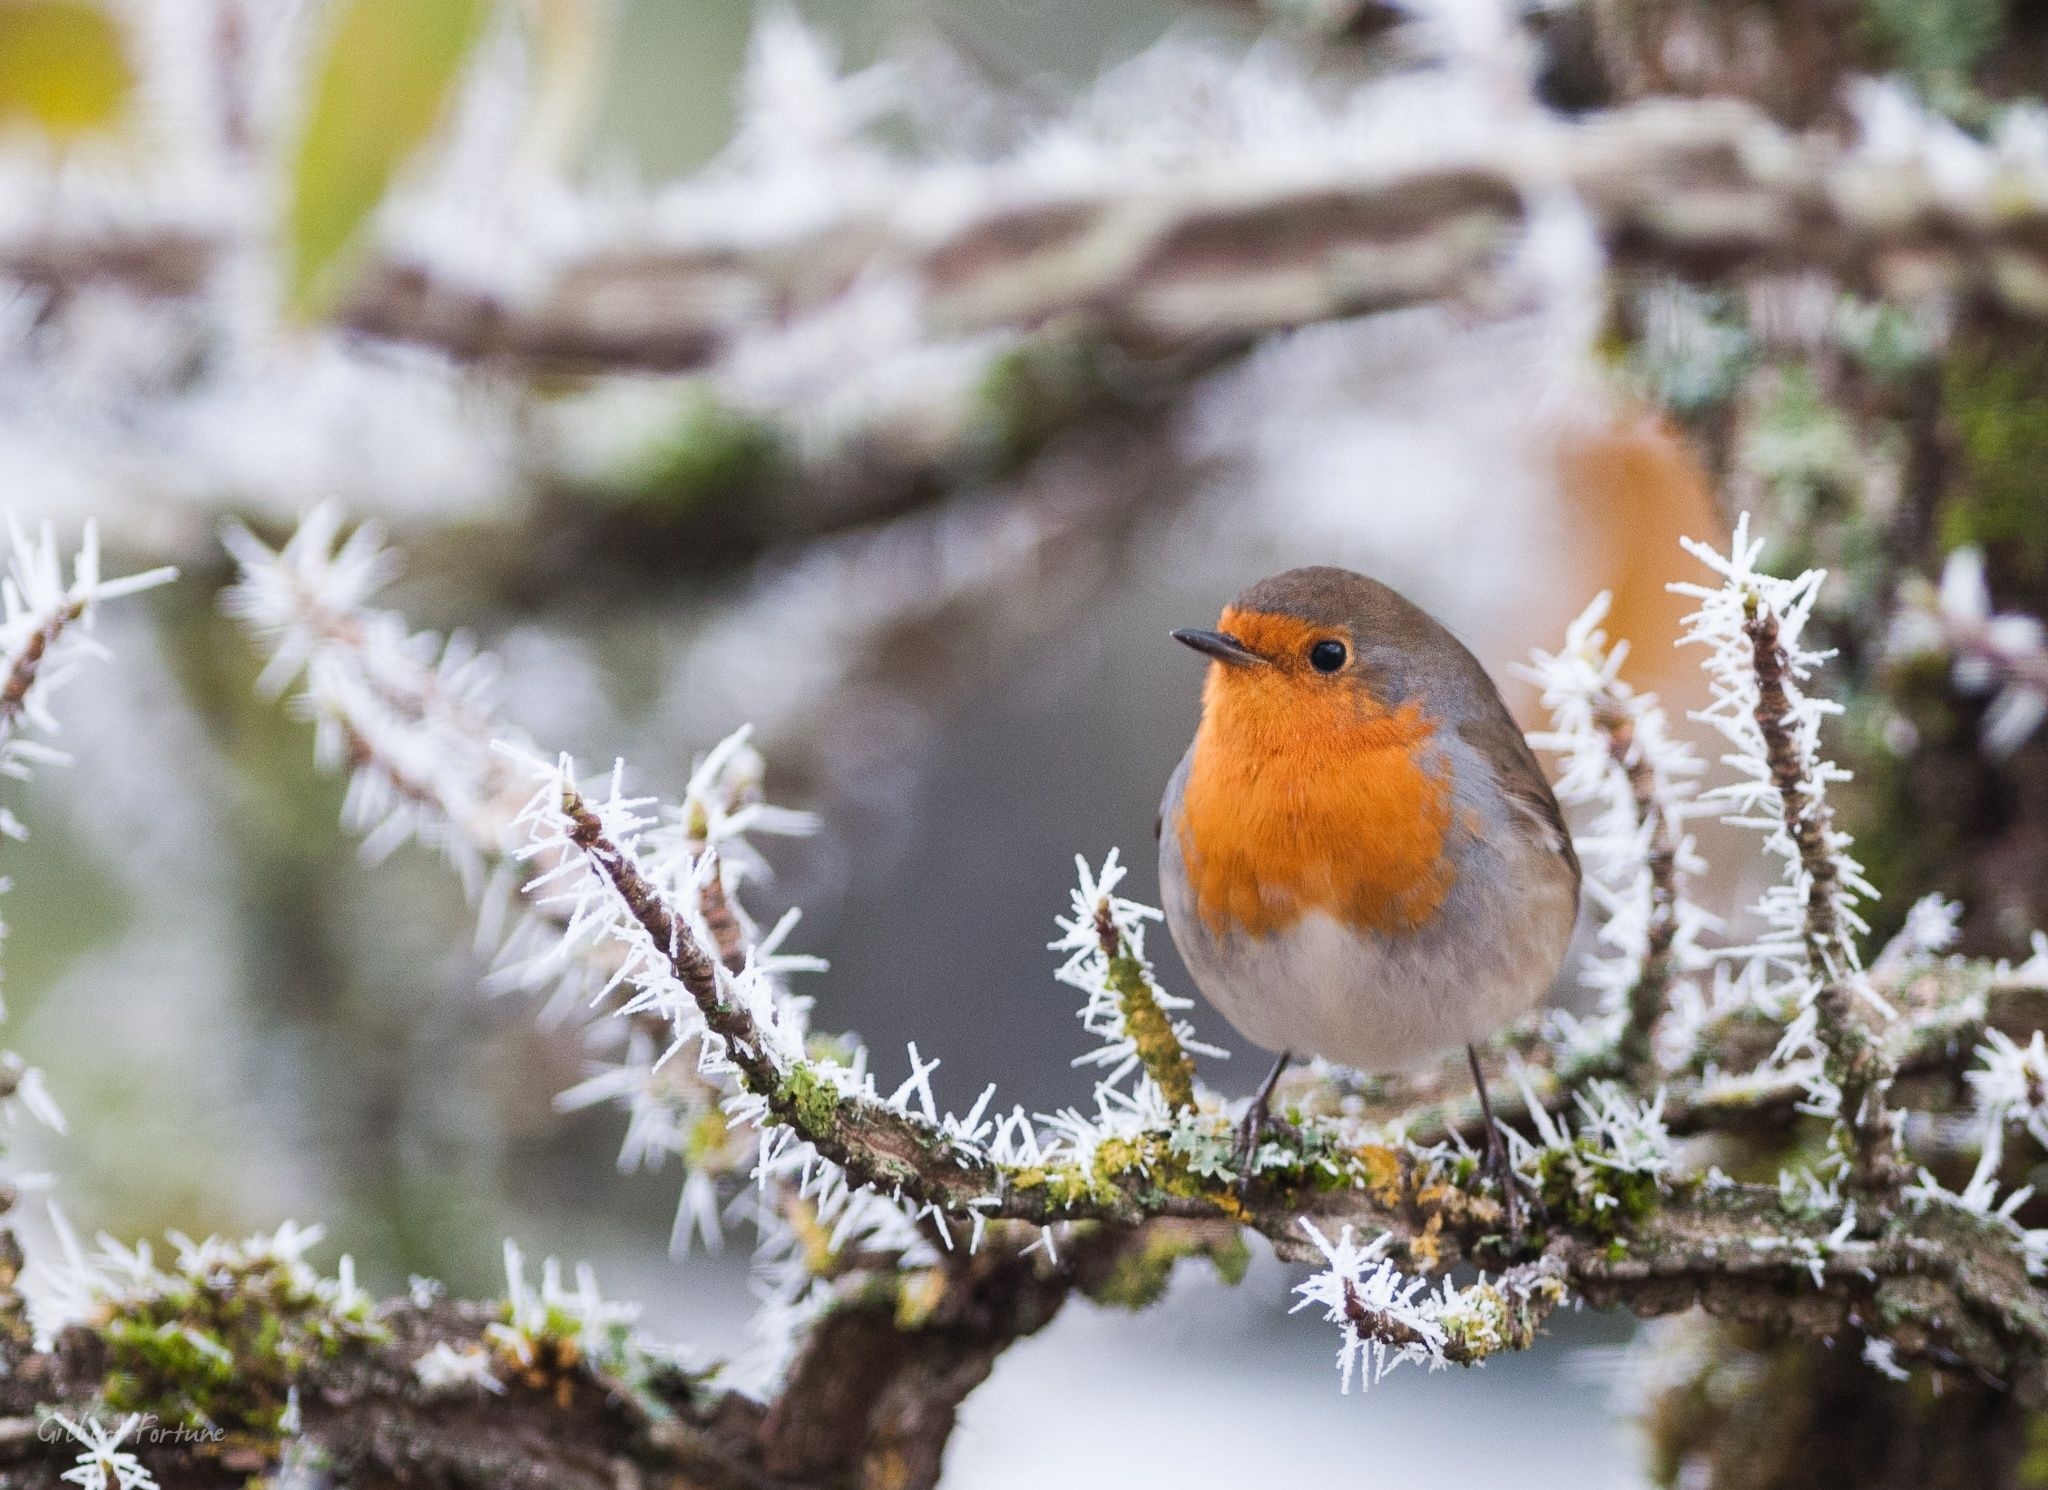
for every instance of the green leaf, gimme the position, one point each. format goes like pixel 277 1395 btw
pixel 384 81
pixel 63 67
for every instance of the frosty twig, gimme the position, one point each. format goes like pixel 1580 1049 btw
pixel 1754 625
pixel 1618 755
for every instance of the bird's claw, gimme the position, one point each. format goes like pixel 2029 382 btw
pixel 1258 1119
pixel 1499 1168
pixel 1502 1172
pixel 1252 1131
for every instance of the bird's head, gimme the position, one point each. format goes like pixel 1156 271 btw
pixel 1312 648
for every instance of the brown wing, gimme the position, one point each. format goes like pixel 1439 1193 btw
pixel 1538 804
pixel 1522 781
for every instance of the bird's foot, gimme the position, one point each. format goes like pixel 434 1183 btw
pixel 1498 1165
pixel 1253 1129
pixel 1502 1172
pixel 1257 1122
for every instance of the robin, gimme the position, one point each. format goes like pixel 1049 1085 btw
pixel 1359 856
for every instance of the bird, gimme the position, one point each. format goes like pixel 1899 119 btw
pixel 1359 856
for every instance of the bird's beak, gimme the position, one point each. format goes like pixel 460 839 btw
pixel 1220 645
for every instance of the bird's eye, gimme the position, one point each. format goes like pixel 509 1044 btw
pixel 1326 656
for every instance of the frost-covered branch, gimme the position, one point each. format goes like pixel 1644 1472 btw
pixel 1807 958
pixel 877 1142
pixel 409 716
pixel 1618 756
pixel 46 627
pixel 45 631
pixel 414 722
pixel 975 1167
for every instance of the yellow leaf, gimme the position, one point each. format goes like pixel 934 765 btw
pixel 571 42
pixel 383 82
pixel 62 66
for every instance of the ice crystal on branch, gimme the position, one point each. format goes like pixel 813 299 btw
pixel 2011 1083
pixel 1616 1130
pixel 46 628
pixel 554 1326
pixel 1387 1319
pixel 104 1464
pixel 1605 1169
pixel 1931 927
pixel 1375 1307
pixel 444 1368
pixel 1979 1197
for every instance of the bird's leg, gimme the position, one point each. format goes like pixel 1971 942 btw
pixel 1257 1118
pixel 1497 1153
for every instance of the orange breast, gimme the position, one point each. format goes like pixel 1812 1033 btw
pixel 1312 799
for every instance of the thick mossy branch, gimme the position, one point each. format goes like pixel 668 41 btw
pixel 871 1397
pixel 534 1399
pixel 365 1411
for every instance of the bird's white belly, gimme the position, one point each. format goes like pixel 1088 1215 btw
pixel 1319 988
